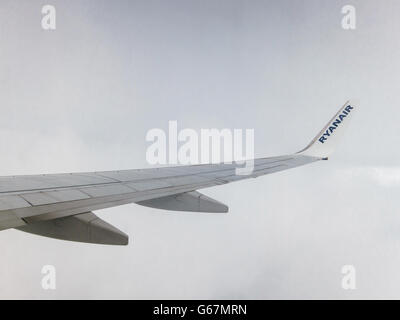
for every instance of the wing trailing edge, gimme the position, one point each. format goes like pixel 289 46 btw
pixel 84 227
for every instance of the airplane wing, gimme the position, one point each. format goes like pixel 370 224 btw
pixel 60 205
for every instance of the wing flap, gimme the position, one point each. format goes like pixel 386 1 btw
pixel 85 227
pixel 188 201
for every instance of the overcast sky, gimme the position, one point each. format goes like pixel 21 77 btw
pixel 82 98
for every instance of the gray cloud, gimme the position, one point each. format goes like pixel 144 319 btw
pixel 82 97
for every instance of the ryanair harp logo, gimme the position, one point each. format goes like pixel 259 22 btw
pixel 335 124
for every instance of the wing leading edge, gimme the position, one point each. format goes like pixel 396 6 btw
pixel 60 205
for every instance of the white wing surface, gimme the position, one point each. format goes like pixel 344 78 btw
pixel 60 205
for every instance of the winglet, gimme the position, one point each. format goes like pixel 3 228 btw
pixel 325 142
